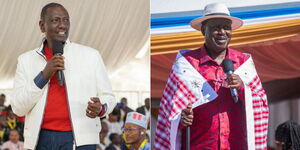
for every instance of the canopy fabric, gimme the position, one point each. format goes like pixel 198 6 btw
pixel 166 6
pixel 176 22
pixel 273 46
pixel 118 29
pixel 274 59
pixel 171 43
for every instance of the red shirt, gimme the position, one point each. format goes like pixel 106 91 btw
pixel 56 116
pixel 221 123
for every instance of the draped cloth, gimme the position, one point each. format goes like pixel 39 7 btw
pixel 186 85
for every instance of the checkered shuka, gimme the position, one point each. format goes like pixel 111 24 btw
pixel 177 96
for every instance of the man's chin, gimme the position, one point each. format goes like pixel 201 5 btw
pixel 61 39
pixel 221 45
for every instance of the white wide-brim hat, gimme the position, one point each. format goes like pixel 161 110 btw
pixel 216 10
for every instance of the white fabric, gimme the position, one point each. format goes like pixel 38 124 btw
pixel 246 72
pixel 117 28
pixel 12 146
pixel 194 82
pixel 29 100
pixel 137 119
pixel 113 127
pixel 165 6
pixel 188 28
pixel 147 113
pixel 210 12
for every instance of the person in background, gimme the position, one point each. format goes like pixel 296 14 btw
pixel 135 132
pixel 287 136
pixel 13 123
pixel 145 109
pixel 113 122
pixel 115 142
pixel 123 105
pixel 103 135
pixel 2 106
pixel 4 133
pixel 14 142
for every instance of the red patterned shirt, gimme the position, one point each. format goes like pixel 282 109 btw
pixel 221 123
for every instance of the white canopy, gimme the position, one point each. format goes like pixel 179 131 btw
pixel 119 29
pixel 165 6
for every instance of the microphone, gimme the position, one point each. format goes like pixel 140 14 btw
pixel 228 69
pixel 57 49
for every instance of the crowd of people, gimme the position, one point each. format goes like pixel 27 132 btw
pixel 118 132
pixel 11 128
pixel 123 129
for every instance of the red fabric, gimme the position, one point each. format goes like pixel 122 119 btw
pixel 220 124
pixel 56 116
pixel 223 123
pixel 102 111
pixel 21 119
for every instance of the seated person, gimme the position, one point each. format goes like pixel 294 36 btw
pixel 14 142
pixel 135 132
pixel 115 142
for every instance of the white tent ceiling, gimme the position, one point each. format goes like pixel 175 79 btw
pixel 119 29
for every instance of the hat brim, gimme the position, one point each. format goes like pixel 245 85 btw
pixel 197 23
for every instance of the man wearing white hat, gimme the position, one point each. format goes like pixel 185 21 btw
pixel 223 121
pixel 135 132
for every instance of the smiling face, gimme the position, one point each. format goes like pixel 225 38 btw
pixel 217 32
pixel 55 24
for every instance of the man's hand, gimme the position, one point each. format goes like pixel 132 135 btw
pixel 187 116
pixel 94 107
pixel 54 64
pixel 234 81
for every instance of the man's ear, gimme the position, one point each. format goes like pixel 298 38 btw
pixel 42 26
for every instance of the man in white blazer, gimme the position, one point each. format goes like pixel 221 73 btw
pixel 61 116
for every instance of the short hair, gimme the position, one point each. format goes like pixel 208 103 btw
pixel 124 98
pixel 8 108
pixel 112 136
pixel 288 133
pixel 14 130
pixel 45 8
pixel 2 95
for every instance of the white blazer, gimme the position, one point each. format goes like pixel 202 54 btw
pixel 85 77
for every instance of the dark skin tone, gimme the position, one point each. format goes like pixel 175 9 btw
pixel 147 103
pixel 2 100
pixel 56 25
pixel 134 137
pixel 217 34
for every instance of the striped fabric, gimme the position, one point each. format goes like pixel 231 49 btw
pixel 174 100
pixel 177 96
pixel 260 111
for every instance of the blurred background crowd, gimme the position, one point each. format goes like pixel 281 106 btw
pixel 111 135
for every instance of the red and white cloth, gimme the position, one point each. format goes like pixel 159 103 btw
pixel 186 85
